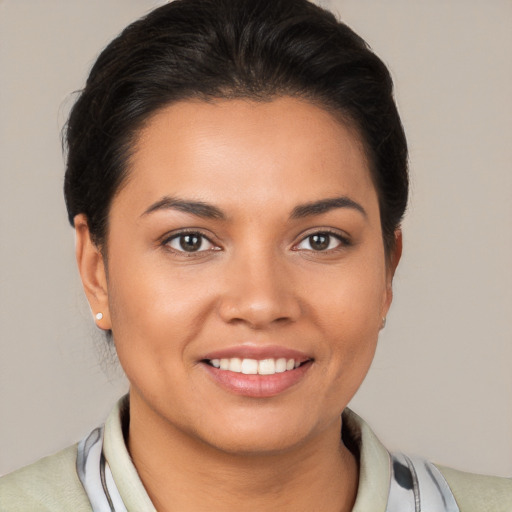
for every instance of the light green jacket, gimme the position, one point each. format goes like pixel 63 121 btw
pixel 52 484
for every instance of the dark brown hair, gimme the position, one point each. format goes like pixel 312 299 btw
pixel 256 49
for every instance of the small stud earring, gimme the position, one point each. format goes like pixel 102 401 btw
pixel 99 316
pixel 383 322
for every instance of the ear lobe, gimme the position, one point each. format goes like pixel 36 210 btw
pixel 91 267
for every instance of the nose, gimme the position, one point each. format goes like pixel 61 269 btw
pixel 259 292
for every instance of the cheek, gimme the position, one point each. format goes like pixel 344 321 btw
pixel 349 314
pixel 351 300
pixel 154 318
pixel 155 310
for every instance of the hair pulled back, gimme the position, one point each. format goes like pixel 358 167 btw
pixel 204 49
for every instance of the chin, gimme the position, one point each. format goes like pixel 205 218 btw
pixel 254 442
pixel 257 432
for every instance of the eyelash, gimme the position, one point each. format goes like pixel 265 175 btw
pixel 176 236
pixel 343 242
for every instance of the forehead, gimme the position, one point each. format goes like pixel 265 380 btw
pixel 241 151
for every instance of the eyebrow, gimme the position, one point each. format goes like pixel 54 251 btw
pixel 197 208
pixel 208 211
pixel 325 205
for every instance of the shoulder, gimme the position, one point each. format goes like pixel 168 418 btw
pixel 388 480
pixel 479 493
pixel 49 484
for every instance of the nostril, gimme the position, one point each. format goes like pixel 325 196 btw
pixel 259 302
pixel 255 316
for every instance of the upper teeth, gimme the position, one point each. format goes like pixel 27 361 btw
pixel 253 366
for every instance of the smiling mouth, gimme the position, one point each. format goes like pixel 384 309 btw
pixel 257 371
pixel 268 366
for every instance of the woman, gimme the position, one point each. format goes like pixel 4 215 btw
pixel 236 179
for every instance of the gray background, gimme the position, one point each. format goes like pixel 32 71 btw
pixel 441 384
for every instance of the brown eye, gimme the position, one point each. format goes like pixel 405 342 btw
pixel 321 241
pixel 190 242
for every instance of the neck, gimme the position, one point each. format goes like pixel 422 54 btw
pixel 183 473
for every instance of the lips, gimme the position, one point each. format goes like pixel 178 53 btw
pixel 257 372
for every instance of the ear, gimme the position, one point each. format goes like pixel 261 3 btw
pixel 92 270
pixel 392 264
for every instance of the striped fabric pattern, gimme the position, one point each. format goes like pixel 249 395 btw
pixel 418 486
pixel 95 474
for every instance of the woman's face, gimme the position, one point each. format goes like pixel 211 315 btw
pixel 247 236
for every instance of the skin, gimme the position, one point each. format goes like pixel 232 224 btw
pixel 257 280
